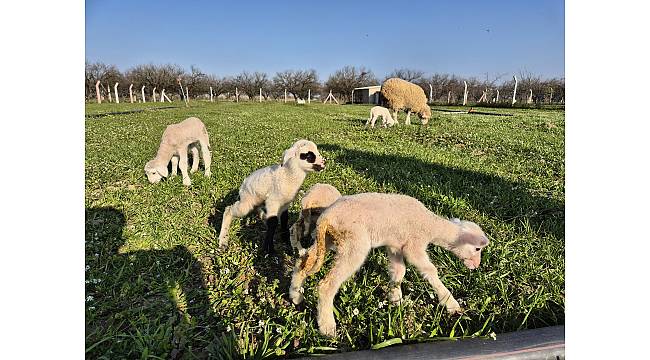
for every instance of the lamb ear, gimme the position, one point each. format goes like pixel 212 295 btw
pixel 162 170
pixel 288 154
pixel 472 239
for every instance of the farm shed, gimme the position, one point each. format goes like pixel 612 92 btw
pixel 366 95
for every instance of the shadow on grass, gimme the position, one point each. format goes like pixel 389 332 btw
pixel 148 301
pixel 496 197
pixel 251 232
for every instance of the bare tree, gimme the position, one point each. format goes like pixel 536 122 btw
pixel 297 82
pixel 414 76
pixel 344 80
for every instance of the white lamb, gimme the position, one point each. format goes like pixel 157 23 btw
pixel 355 224
pixel 176 140
pixel 315 201
pixel 274 187
pixel 386 118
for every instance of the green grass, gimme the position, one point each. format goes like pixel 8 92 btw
pixel 158 287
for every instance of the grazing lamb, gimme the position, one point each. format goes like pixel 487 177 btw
pixel 401 94
pixel 386 119
pixel 355 224
pixel 315 201
pixel 176 140
pixel 274 187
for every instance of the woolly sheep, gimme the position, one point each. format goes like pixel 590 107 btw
pixel 355 224
pixel 274 187
pixel 176 140
pixel 377 111
pixel 315 201
pixel 401 94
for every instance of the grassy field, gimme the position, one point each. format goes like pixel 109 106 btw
pixel 158 287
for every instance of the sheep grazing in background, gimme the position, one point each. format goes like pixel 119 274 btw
pixel 176 140
pixel 403 95
pixel 315 201
pixel 377 111
pixel 274 187
pixel 300 101
pixel 355 224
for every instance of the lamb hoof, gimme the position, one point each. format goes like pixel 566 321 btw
pixel 453 307
pixel 207 173
pixel 327 326
pixel 187 182
pixel 296 296
pixel 223 242
pixel 395 296
pixel 192 171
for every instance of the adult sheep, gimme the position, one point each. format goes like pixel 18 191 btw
pixel 403 95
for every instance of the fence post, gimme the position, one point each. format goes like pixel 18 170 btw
pixel 430 93
pixel 260 94
pixel 514 93
pixel 99 97
pixel 162 95
pixel 448 97
pixel 309 96
pixel 131 93
pixel 285 96
pixel 465 94
pixel 497 95
pixel 142 91
pixel 153 93
pixel 211 94
pixel 236 94
pixel 117 97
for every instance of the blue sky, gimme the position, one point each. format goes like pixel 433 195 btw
pixel 467 38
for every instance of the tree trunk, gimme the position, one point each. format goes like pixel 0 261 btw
pixel 430 94
pixel 117 97
pixel 144 100
pixel 131 93
pixel 99 96
pixel 497 95
pixel 448 98
pixel 260 94
pixel 153 93
pixel 162 96
pixel 530 97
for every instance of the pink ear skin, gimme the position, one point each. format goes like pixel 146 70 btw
pixel 472 239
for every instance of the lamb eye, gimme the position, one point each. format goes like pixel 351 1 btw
pixel 309 156
pixel 478 249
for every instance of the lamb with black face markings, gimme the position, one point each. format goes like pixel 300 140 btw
pixel 274 188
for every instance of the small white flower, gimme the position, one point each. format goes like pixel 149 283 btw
pixel 225 271
pixel 245 292
pixel 89 298
pixel 96 255
pixel 355 312
pixel 493 335
pixel 382 304
pixel 301 290
pixel 261 323
pixel 87 267
pixel 278 330
pixel 228 328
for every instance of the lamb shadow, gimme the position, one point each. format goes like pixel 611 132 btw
pixel 251 232
pixel 490 194
pixel 135 292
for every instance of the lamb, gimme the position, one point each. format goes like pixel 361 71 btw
pixel 401 94
pixel 386 119
pixel 274 187
pixel 355 224
pixel 315 201
pixel 176 140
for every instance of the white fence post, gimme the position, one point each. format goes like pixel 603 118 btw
pixel 285 96
pixel 514 93
pixel 131 93
pixel 144 100
pixel 465 94
pixel 117 97
pixel 99 97
pixel 260 94
pixel 236 94
pixel 153 93
pixel 309 96
pixel 530 97
pixel 430 93
pixel 497 95
pixel 211 94
pixel 162 95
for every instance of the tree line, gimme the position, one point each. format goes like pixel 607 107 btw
pixel 439 88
